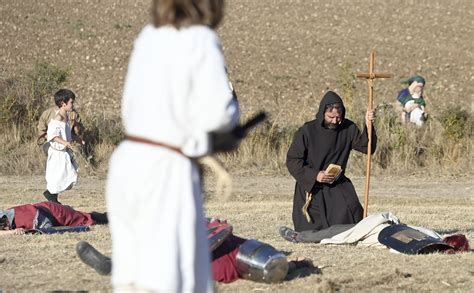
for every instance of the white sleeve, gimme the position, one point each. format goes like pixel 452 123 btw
pixel 53 131
pixel 212 106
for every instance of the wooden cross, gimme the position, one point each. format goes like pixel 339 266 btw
pixel 370 76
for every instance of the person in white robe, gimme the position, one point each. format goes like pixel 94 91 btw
pixel 176 93
pixel 61 168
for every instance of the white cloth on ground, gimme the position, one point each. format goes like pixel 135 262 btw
pixel 176 92
pixel 366 232
pixel 61 168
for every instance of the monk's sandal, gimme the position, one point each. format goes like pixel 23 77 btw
pixel 288 234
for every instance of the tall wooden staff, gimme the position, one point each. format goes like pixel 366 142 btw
pixel 370 76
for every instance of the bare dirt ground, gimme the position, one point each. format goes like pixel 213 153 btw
pixel 281 55
pixel 258 206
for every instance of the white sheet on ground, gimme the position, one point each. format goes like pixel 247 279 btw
pixel 366 232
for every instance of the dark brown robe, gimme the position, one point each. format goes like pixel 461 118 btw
pixel 314 147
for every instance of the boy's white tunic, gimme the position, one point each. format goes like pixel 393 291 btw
pixel 61 170
pixel 176 92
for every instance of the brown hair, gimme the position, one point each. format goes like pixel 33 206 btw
pixel 4 223
pixel 330 107
pixel 183 13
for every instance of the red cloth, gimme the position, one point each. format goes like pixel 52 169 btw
pixel 224 268
pixel 64 215
pixel 458 241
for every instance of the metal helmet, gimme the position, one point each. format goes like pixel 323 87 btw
pixel 261 262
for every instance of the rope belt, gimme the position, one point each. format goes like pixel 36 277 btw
pixel 309 198
pixel 224 181
pixel 154 143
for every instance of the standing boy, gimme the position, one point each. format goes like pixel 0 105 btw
pixel 61 168
pixel 77 128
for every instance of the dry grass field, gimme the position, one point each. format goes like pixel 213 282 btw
pixel 258 206
pixel 282 56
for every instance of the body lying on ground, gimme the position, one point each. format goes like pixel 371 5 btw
pixel 380 230
pixel 17 219
pixel 233 257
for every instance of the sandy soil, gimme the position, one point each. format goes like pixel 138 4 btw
pixel 282 55
pixel 258 206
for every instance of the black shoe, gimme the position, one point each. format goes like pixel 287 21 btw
pixel 288 234
pixel 100 218
pixel 301 268
pixel 298 264
pixel 52 197
pixel 91 257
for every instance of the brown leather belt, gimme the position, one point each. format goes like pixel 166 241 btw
pixel 155 143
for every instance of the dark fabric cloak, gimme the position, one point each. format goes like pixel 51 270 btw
pixel 316 236
pixel 314 147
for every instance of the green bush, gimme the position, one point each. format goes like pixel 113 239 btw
pixel 456 123
pixel 23 99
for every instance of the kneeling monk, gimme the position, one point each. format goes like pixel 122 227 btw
pixel 323 198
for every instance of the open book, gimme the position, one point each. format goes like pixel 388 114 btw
pixel 334 169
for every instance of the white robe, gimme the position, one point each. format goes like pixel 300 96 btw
pixel 176 92
pixel 61 168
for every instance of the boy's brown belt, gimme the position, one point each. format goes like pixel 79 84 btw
pixel 155 143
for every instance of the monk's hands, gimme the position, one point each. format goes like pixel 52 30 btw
pixel 369 116
pixel 324 177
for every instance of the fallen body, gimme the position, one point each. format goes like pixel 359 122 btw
pixel 381 230
pixel 18 219
pixel 232 259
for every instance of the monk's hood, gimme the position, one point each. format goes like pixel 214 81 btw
pixel 329 98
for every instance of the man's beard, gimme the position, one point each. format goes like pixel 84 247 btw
pixel 330 125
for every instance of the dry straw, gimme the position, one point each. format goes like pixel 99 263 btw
pixel 442 146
